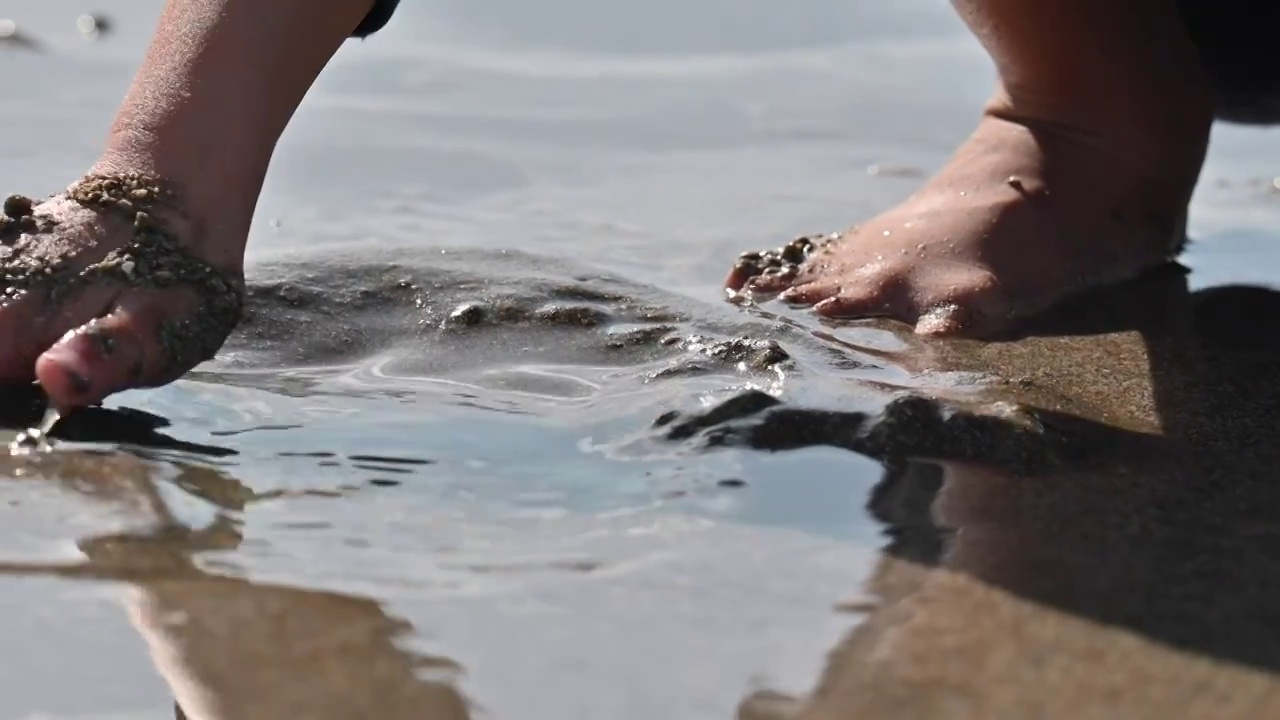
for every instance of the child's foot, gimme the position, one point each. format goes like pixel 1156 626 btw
pixel 110 286
pixel 1024 214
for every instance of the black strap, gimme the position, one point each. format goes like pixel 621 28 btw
pixel 378 16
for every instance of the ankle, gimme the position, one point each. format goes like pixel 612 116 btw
pixel 1144 122
pixel 1160 138
pixel 1079 175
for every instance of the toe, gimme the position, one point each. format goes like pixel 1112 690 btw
pixel 968 320
pixel 809 293
pixel 772 281
pixel 945 320
pixel 30 325
pixel 118 351
pixel 973 305
pixel 90 362
pixel 870 301
pixel 871 291
pixel 738 277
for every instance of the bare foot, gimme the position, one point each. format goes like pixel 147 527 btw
pixel 100 295
pixel 1023 215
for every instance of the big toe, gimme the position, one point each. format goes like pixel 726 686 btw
pixel 964 302
pixel 30 325
pixel 945 320
pixel 118 351
pixel 870 292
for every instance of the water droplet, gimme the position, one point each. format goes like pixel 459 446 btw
pixel 35 439
pixel 51 417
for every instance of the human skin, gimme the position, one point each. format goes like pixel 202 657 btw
pixel 1078 174
pixel 213 95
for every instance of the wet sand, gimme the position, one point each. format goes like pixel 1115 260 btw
pixel 1135 579
pixel 424 478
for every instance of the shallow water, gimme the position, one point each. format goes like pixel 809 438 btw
pixel 364 503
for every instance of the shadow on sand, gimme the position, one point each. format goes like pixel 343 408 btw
pixel 1110 547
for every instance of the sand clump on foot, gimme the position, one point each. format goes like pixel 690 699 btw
pixel 152 258
pixel 783 261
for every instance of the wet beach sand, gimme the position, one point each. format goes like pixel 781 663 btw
pixel 493 445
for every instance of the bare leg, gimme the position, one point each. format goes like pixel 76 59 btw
pixel 219 84
pixel 1078 173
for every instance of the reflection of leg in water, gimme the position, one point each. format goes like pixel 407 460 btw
pixel 231 649
pixel 902 500
pixel 1091 594
pixel 253 651
pixel 244 651
pixel 1140 582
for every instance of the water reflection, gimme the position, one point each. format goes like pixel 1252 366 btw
pixel 1138 580
pixel 22 407
pixel 228 647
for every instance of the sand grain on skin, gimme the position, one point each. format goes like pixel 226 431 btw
pixel 153 258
